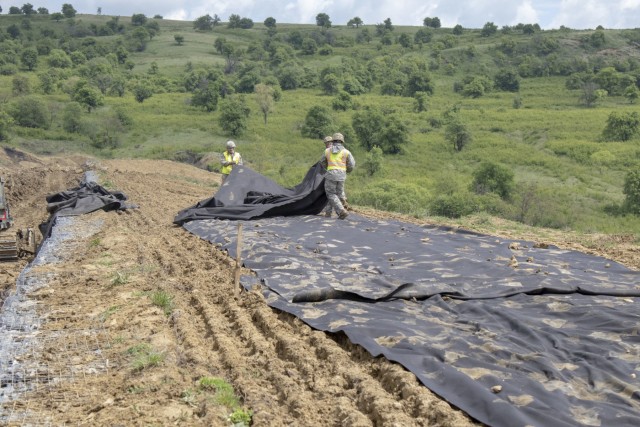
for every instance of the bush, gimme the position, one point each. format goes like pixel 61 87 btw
pixel 632 192
pixel 493 178
pixel 234 115
pixel 621 126
pixel 453 205
pixel 72 117
pixel 318 123
pixel 31 112
pixel 5 124
pixel 391 195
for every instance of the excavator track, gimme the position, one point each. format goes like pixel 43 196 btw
pixel 8 248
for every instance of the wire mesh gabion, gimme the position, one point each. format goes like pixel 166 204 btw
pixel 39 347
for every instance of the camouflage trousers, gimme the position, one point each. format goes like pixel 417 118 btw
pixel 337 198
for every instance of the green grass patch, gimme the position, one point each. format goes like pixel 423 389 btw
pixel 162 299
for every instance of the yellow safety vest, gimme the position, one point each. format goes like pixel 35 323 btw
pixel 227 157
pixel 336 160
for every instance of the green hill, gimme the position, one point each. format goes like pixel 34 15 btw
pixel 513 122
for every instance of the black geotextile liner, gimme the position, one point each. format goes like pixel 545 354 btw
pixel 557 330
pixel 85 198
pixel 247 195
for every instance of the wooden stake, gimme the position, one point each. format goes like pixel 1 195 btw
pixel 238 259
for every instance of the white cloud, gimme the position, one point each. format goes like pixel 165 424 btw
pixel 468 13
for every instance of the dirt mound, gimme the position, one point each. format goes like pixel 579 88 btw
pixel 159 306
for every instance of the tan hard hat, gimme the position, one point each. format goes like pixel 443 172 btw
pixel 338 137
pixel 328 139
pixel 231 144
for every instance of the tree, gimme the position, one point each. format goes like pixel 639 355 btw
pixel 30 111
pixel 457 30
pixel 309 46
pixel 405 41
pixel 14 31
pixel 322 20
pixel 203 23
pixel 68 11
pixel 355 22
pixel 27 9
pixel 432 22
pixel 88 96
pixel 489 29
pixel 234 114
pixel 5 124
pixel 138 19
pixel 15 10
pixel 457 134
pixel 29 58
pixel 57 16
pixel 206 94
pixel 632 192
pixel 373 161
pixel 591 94
pixel 264 97
pixel 421 102
pixel 270 22
pixel 621 126
pixel 318 123
pixel 234 21
pixel 490 177
pixel 388 25
pixel 375 128
pixel 142 91
pixel 20 85
pixel 508 80
pixel 179 39
pixel 631 93
pixel 72 117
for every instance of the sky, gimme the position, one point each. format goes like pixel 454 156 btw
pixel 549 14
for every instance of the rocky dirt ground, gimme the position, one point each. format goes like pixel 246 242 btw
pixel 101 302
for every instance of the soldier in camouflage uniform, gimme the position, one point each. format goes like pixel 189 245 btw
pixel 338 161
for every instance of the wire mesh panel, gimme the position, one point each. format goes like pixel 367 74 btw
pixel 40 350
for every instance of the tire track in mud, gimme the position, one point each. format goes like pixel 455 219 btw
pixel 301 373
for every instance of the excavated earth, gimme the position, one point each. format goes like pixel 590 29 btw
pixel 98 304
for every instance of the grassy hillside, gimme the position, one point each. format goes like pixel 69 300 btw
pixel 565 175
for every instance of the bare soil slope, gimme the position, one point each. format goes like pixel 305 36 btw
pixel 282 370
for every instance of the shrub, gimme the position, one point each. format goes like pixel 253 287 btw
pixel 31 112
pixel 621 126
pixel 317 123
pixel 457 134
pixel 373 161
pixel 72 117
pixel 5 124
pixel 632 192
pixel 234 114
pixel 454 205
pixel 493 178
pixel 391 195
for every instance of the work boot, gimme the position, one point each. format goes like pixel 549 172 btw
pixel 344 214
pixel 345 204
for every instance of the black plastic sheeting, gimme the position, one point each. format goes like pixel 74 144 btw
pixel 246 194
pixel 87 197
pixel 556 330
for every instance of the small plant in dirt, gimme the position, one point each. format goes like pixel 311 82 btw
pixel 108 312
pixel 120 278
pixel 225 395
pixel 95 242
pixel 163 300
pixel 189 397
pixel 144 356
pixel 241 417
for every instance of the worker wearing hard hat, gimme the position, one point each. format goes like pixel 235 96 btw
pixel 230 158
pixel 338 161
pixel 328 210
